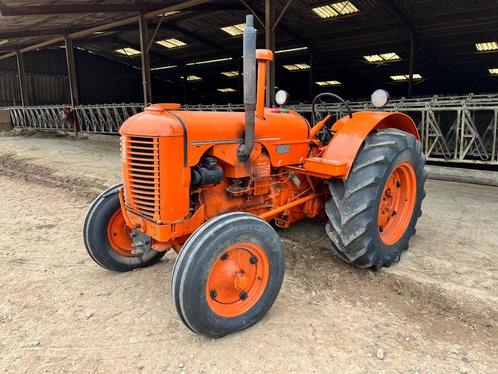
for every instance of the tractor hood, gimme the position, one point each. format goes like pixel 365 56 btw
pixel 215 127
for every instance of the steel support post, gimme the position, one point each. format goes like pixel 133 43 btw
pixel 144 49
pixel 270 44
pixel 495 136
pixel 411 65
pixel 21 78
pixel 185 85
pixel 73 80
pixel 311 78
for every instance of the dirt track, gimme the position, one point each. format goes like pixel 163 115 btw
pixel 436 311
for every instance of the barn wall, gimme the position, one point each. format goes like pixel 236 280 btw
pixel 9 90
pixel 100 80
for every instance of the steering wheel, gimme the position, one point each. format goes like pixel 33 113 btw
pixel 318 101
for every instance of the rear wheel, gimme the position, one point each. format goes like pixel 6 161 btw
pixel 108 239
pixel 228 274
pixel 373 214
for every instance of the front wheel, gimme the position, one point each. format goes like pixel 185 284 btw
pixel 107 237
pixel 228 274
pixel 373 213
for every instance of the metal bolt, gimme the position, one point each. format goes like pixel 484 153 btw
pixel 243 295
pixel 224 256
pixel 213 294
pixel 253 260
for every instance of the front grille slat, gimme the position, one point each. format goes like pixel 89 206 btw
pixel 144 184
pixel 142 171
pixel 142 193
pixel 140 198
pixel 143 163
pixel 140 189
pixel 140 177
pixel 145 210
pixel 148 154
pixel 148 205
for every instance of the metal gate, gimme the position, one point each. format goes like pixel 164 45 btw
pixel 461 129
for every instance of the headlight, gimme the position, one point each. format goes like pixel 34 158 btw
pixel 380 98
pixel 282 97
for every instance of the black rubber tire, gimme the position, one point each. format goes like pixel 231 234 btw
pixel 97 243
pixel 354 205
pixel 196 258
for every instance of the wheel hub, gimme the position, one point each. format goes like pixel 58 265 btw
pixel 119 235
pixel 237 279
pixel 397 203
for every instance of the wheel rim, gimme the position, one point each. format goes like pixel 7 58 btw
pixel 119 235
pixel 397 203
pixel 237 279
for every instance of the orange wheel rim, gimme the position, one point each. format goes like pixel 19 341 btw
pixel 119 235
pixel 397 203
pixel 237 279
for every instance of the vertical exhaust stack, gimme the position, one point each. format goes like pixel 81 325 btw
pixel 246 148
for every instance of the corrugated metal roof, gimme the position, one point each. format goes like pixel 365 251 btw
pixel 446 31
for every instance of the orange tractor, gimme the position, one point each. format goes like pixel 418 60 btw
pixel 210 185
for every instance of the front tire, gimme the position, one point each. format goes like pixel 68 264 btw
pixel 228 274
pixel 373 214
pixel 107 237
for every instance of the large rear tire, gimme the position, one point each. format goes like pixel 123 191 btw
pixel 373 214
pixel 107 237
pixel 228 274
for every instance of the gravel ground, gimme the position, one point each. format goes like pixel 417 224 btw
pixel 435 311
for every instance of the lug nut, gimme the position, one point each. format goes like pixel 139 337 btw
pixel 253 260
pixel 213 294
pixel 243 295
pixel 224 256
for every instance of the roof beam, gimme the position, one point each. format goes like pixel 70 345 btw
pixel 8 48
pixel 184 5
pixel 36 10
pixel 125 43
pixel 398 15
pixel 251 6
pixel 30 33
pixel 202 40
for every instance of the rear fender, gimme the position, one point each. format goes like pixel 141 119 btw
pixel 350 133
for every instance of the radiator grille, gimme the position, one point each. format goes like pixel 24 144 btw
pixel 142 156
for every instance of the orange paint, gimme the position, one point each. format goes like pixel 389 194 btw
pixel 263 56
pixel 237 279
pixel 316 129
pixel 285 178
pixel 118 235
pixel 397 203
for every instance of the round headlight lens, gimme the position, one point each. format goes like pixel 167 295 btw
pixel 380 98
pixel 282 97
